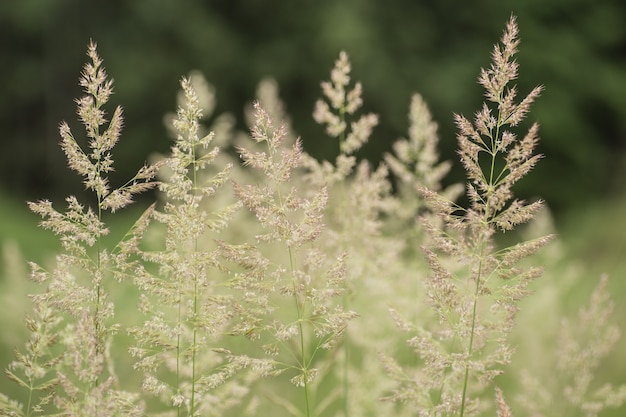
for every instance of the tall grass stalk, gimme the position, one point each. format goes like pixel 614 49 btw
pixel 183 283
pixel 490 192
pixel 74 313
pixel 341 100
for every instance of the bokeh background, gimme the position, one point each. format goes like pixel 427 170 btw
pixel 575 48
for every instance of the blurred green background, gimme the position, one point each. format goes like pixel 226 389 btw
pixel 575 48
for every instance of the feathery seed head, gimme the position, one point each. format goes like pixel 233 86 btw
pixel 342 103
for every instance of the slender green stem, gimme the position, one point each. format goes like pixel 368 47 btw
pixel 299 310
pixel 30 397
pixel 178 331
pixel 99 285
pixel 346 339
pixel 304 362
pixel 346 362
pixel 471 341
pixel 195 294
pixel 487 216
pixel 193 351
pixel 96 318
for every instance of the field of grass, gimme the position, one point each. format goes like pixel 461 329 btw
pixel 263 281
pixel 592 242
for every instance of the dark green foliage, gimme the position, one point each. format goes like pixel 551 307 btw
pixel 575 47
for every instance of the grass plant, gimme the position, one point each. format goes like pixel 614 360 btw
pixel 265 282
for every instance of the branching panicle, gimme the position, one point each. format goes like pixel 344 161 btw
pixel 286 263
pixel 343 102
pixel 186 315
pixel 82 380
pixel 568 386
pixel 415 160
pixel 475 310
